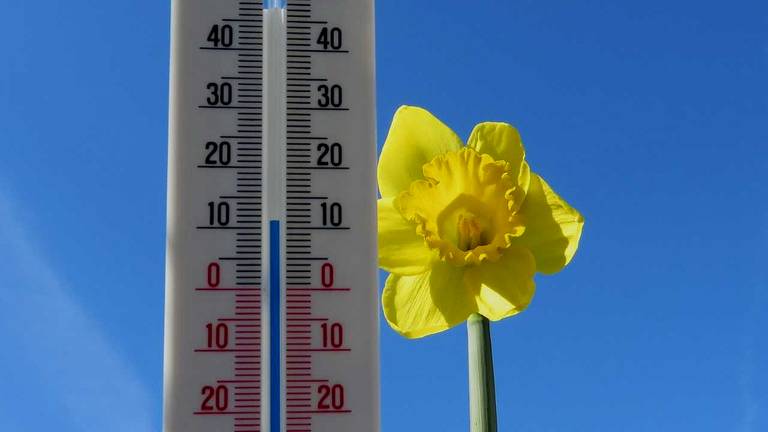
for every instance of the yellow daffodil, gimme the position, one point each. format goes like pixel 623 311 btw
pixel 463 229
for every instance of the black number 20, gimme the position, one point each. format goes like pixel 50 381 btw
pixel 329 154
pixel 218 153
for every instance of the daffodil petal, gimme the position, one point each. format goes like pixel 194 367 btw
pixel 502 142
pixel 421 305
pixel 552 227
pixel 505 287
pixel 401 250
pixel 415 137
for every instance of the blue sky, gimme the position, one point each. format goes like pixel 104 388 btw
pixel 649 117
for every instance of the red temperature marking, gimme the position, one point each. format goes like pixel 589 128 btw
pixel 213 275
pixel 326 275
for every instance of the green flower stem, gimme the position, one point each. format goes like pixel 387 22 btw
pixel 482 391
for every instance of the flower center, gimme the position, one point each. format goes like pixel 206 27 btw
pixel 470 233
pixel 466 223
pixel 465 208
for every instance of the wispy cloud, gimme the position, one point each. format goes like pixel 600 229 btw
pixel 51 339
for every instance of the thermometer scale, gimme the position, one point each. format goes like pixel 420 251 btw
pixel 271 295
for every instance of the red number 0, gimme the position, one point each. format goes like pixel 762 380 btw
pixel 326 275
pixel 214 274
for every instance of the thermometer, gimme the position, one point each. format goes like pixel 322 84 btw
pixel 271 287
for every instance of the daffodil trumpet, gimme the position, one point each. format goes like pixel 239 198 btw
pixel 462 230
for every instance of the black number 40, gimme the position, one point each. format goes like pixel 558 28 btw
pixel 220 36
pixel 329 38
